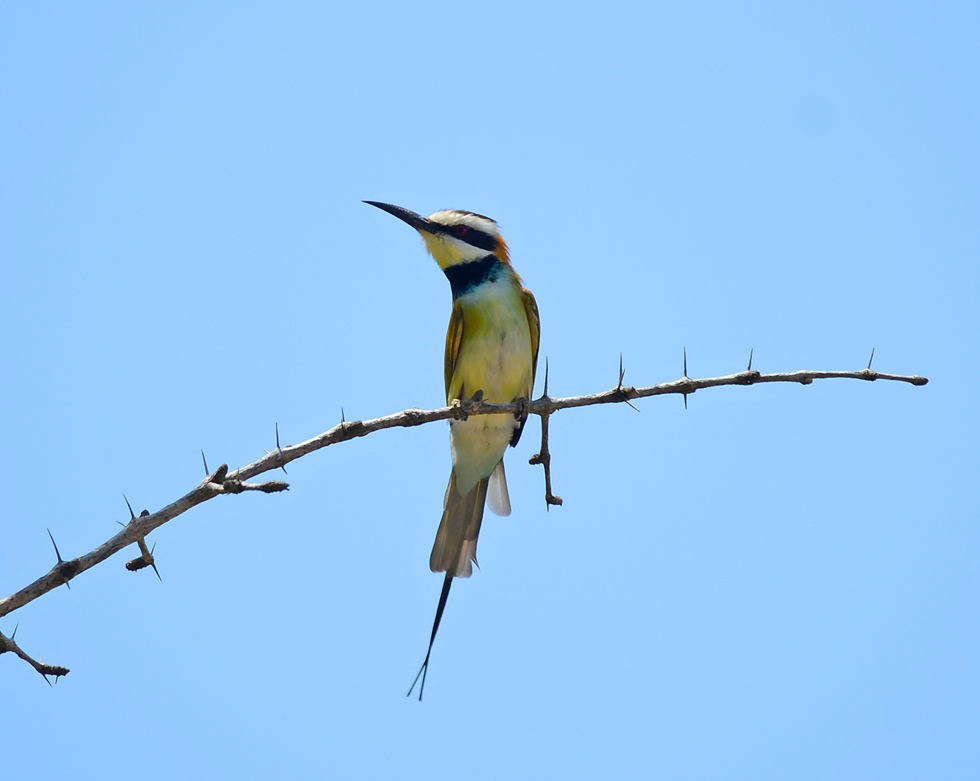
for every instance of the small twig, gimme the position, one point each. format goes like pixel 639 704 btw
pixel 8 644
pixel 146 554
pixel 543 456
pixel 268 487
pixel 145 560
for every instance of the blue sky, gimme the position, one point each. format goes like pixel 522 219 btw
pixel 779 582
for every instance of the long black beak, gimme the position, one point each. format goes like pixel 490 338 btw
pixel 417 221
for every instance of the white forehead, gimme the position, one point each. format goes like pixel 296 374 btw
pixel 478 221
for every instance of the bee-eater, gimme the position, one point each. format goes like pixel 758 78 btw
pixel 491 346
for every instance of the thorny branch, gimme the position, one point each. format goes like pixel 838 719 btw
pixel 8 644
pixel 224 482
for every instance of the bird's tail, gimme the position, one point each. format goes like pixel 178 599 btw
pixel 454 550
pixel 447 583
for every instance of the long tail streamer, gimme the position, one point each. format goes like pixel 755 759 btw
pixel 435 628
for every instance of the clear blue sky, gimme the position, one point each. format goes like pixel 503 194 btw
pixel 779 582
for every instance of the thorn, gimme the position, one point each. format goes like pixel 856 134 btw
pixel 206 470
pixel 619 385
pixel 545 377
pixel 132 515
pixel 56 553
pixel 751 353
pixel 153 562
pixel 15 632
pixel 872 357
pixel 343 420
pixel 144 513
pixel 279 447
pixel 685 375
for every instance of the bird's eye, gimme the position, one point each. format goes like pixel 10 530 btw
pixel 460 230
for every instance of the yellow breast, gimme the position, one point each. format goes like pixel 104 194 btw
pixel 495 356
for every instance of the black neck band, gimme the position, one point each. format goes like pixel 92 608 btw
pixel 468 276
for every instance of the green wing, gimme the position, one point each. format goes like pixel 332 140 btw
pixel 454 338
pixel 534 324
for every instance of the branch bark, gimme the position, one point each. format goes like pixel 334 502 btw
pixel 221 481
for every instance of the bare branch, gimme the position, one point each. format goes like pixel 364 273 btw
pixel 8 644
pixel 224 482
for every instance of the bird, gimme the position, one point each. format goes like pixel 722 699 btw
pixel 491 354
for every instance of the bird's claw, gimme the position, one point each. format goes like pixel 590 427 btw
pixel 461 409
pixel 523 405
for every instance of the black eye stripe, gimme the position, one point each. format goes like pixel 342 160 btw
pixel 473 236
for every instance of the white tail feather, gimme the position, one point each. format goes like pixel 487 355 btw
pixel 497 497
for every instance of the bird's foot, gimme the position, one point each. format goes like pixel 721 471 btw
pixel 461 409
pixel 523 405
